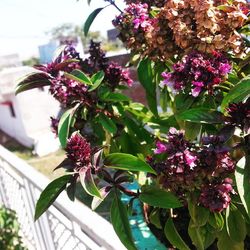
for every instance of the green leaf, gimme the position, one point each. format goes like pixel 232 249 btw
pixel 192 130
pixel 198 214
pixel 31 81
pixel 163 123
pixel 159 198
pixel 238 93
pixel 164 98
pixel 209 238
pixel 196 235
pixel 137 130
pixel 97 201
pixel 61 66
pixel 201 115
pixel 146 78
pixel 50 193
pixel 216 220
pixel 120 222
pixel 127 162
pixel 64 125
pixel 235 224
pixel 130 145
pixel 226 243
pixel 71 188
pixel 107 123
pixel 90 20
pixel 154 218
pixel 96 79
pixel 115 97
pixel 79 76
pixel 242 177
pixel 183 102
pixel 88 183
pixel 173 236
pixel 225 8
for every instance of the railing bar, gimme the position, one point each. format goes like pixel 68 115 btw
pixel 43 222
pixel 2 192
pixel 80 235
pixel 88 221
pixel 32 227
pixel 37 227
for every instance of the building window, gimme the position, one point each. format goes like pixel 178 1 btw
pixel 11 108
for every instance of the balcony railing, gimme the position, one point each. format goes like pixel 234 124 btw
pixel 66 225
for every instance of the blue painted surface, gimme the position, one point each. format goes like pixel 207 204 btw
pixel 145 240
pixel 46 52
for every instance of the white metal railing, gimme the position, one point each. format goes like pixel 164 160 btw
pixel 66 225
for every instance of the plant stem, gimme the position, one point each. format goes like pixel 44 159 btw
pixel 114 4
pixel 127 192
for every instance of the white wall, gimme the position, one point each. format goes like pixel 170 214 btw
pixel 31 126
pixel 14 126
pixel 36 108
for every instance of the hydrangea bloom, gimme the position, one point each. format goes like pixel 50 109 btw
pixel 182 25
pixel 198 71
pixel 201 25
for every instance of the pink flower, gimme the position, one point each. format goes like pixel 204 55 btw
pixel 198 87
pixel 161 148
pixel 225 68
pixel 190 158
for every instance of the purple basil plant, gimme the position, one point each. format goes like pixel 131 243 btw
pixel 186 146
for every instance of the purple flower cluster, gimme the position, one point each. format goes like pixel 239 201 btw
pixel 184 167
pixel 68 91
pixel 133 24
pixel 216 196
pixel 139 13
pixel 239 115
pixel 97 59
pixel 54 125
pixel 215 158
pixel 115 75
pixel 177 170
pixel 156 3
pixel 78 151
pixel 66 61
pixel 197 72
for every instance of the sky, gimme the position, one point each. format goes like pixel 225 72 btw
pixel 24 23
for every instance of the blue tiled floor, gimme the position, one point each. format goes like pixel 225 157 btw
pixel 145 240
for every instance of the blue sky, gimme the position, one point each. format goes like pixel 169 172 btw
pixel 25 22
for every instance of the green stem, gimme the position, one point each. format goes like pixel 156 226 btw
pixel 222 87
pixel 112 2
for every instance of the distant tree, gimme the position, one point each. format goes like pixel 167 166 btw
pixel 31 61
pixel 70 33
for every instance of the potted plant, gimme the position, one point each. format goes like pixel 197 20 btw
pixel 188 148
